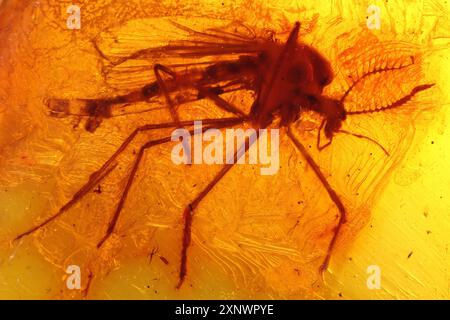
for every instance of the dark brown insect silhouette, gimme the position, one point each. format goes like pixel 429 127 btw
pixel 288 79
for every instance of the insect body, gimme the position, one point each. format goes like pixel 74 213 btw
pixel 286 78
pixel 298 80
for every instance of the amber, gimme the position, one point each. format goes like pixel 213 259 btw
pixel 253 236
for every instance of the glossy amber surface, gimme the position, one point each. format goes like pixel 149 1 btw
pixel 254 236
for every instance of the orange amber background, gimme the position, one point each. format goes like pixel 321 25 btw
pixel 255 236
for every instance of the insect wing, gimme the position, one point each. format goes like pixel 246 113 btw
pixel 132 50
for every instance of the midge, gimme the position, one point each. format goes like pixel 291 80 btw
pixel 287 80
pixel 213 152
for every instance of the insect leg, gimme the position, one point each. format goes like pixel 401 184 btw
pixel 361 136
pixel 319 147
pixel 158 69
pixel 109 165
pixel 189 210
pixel 203 92
pixel 85 292
pixel 357 135
pixel 332 194
pixel 220 102
pixel 148 145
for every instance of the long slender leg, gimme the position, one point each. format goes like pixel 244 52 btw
pixel 361 136
pixel 115 106
pixel 189 210
pixel 148 145
pixel 319 147
pixel 203 92
pixel 158 68
pixel 220 102
pixel 109 165
pixel 115 218
pixel 333 195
